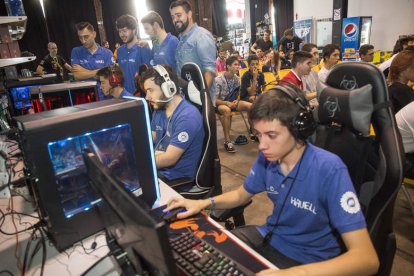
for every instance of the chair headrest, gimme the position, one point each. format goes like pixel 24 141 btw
pixel 191 72
pixel 352 108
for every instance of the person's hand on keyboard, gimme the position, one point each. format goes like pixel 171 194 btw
pixel 192 206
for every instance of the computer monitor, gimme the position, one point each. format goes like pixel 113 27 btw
pixel 129 221
pixel 117 131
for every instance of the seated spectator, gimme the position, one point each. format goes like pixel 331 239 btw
pixel 289 55
pixel 400 45
pixel 330 55
pixel 401 71
pixel 221 61
pixel 177 125
pixel 227 99
pixel 284 62
pixel 272 63
pixel 301 65
pixel 311 80
pixel 317 226
pixel 111 79
pixel 252 81
pixel 405 122
pixel 366 53
pixel 241 60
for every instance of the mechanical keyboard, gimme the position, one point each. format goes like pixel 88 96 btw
pixel 196 257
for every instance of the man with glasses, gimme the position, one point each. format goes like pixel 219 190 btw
pixel 366 53
pixel 53 63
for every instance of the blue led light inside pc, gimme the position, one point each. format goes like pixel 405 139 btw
pixel 114 148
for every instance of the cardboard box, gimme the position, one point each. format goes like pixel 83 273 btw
pixel 4 51
pixel 5 34
pixel 14 49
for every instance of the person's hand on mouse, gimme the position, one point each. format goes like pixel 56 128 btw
pixel 192 206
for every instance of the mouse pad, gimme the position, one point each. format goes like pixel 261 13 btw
pixel 201 227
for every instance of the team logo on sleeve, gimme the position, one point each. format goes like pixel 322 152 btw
pixel 183 137
pixel 350 203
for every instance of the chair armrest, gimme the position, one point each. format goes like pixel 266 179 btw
pixel 180 182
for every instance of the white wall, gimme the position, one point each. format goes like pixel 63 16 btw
pixel 389 18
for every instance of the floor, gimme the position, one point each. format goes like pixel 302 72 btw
pixel 235 167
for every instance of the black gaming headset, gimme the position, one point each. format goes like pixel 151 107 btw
pixel 167 85
pixel 115 78
pixel 303 125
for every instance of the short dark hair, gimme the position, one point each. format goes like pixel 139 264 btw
pixel 288 32
pixel 153 17
pixel 181 3
pixel 107 71
pixel 230 60
pixel 126 21
pixel 251 58
pixel 158 79
pixel 328 50
pixel 82 25
pixel 268 32
pixel 307 47
pixel 300 56
pixel 363 50
pixel 275 104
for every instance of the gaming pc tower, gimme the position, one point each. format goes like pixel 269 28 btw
pixel 117 131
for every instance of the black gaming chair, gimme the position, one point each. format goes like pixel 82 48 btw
pixel 354 97
pixel 207 182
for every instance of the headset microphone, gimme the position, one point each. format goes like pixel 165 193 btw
pixel 162 101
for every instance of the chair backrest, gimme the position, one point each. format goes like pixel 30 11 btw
pixel 208 177
pixel 355 96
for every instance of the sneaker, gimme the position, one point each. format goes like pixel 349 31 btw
pixel 241 140
pixel 229 147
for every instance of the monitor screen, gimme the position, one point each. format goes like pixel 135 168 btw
pixel 114 148
pixel 21 97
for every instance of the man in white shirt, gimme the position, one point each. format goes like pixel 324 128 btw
pixel 330 54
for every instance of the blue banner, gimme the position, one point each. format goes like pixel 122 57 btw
pixel 303 29
pixel 350 38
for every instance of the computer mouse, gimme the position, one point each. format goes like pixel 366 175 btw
pixel 171 215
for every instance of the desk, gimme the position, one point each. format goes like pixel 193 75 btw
pixel 73 261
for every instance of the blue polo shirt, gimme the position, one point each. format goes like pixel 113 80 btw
pixel 321 204
pixel 101 58
pixel 165 53
pixel 125 93
pixel 185 131
pixel 130 60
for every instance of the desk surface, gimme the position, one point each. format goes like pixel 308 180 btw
pixel 36 89
pixel 78 258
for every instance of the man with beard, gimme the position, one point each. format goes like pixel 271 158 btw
pixel 196 43
pixel 164 44
pixel 130 55
pixel 177 126
pixel 90 57
pixel 53 63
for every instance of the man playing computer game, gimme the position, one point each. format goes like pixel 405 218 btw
pixel 177 127
pixel 111 79
pixel 316 226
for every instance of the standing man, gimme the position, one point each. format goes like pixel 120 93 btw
pixel 196 43
pixel 53 63
pixel 301 66
pixel 263 43
pixel 177 126
pixel 227 98
pixel 130 55
pixel 252 81
pixel 90 57
pixel 330 54
pixel 111 79
pixel 289 41
pixel 366 53
pixel 164 44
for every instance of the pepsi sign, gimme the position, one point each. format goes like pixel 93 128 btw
pixel 350 32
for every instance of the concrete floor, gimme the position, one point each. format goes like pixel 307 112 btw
pixel 235 167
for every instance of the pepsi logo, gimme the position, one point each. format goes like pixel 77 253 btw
pixel 350 30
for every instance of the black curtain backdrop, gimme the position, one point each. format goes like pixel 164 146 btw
pixel 219 17
pixel 284 16
pixel 61 18
pixel 258 8
pixel 111 10
pixel 163 8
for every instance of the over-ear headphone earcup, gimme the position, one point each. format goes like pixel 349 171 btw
pixel 167 85
pixel 114 80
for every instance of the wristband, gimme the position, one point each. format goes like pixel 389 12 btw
pixel 213 202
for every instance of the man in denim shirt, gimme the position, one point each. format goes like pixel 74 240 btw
pixel 196 43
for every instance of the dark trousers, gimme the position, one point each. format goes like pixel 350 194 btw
pixel 251 236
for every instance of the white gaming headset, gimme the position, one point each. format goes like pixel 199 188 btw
pixel 167 86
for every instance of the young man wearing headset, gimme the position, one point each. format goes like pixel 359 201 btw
pixel 177 126
pixel 111 79
pixel 316 226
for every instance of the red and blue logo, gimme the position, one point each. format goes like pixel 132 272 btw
pixel 350 30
